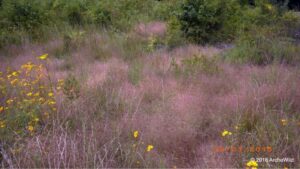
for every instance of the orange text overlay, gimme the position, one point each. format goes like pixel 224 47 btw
pixel 242 149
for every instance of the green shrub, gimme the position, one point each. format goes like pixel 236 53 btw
pixel 290 23
pixel 194 65
pixel 23 15
pixel 199 64
pixel 74 12
pixel 100 15
pixel 164 10
pixel 71 88
pixel 209 20
pixel 27 101
pixel 174 35
pixel 131 46
pixel 154 43
pixel 264 44
pixel 262 50
pixel 20 19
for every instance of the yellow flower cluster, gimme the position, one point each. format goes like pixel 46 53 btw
pixel 27 98
pixel 136 135
pixel 252 164
pixel 149 147
pixel 284 122
pixel 226 133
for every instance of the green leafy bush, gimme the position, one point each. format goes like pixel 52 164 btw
pixel 100 15
pixel 209 20
pixel 267 42
pixel 262 50
pixel 20 19
pixel 22 14
pixel 74 12
pixel 194 65
pixel 174 35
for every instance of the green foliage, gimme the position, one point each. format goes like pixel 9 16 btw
pixel 36 20
pixel 164 10
pixel 23 14
pixel 19 18
pixel 194 65
pixel 154 43
pixel 74 11
pixel 174 35
pixel 71 40
pixel 131 46
pixel 262 50
pixel 71 88
pixel 27 100
pixel 199 64
pixel 100 15
pixel 265 44
pixel 209 20
pixel 290 24
pixel 135 73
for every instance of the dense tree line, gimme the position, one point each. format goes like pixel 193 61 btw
pixel 291 4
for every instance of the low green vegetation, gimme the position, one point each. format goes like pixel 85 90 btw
pixel 38 20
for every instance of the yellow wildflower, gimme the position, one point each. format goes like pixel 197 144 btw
pixel 14 73
pixel 29 94
pixel 51 102
pixel 284 122
pixel 2 124
pixel 36 119
pixel 28 66
pixel 135 134
pixel 252 163
pixel 9 101
pixel 30 128
pixel 13 82
pixel 25 84
pixel 226 132
pixel 149 148
pixel 43 57
pixel 41 99
pixel 60 81
pixel 269 6
pixel 1 108
pixel 50 94
pixel 37 94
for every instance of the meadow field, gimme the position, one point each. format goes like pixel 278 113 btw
pixel 149 84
